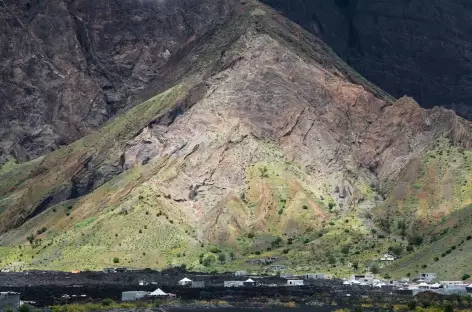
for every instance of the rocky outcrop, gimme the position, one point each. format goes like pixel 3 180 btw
pixel 419 48
pixel 66 67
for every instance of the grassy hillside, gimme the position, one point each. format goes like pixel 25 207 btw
pixel 221 169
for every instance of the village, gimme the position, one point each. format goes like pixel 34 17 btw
pixel 44 288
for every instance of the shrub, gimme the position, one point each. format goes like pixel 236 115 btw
pixel 140 231
pixel 305 207
pixel 258 252
pixel 232 256
pixel 469 237
pixel 250 235
pixel 222 258
pixel 411 305
pixel 306 241
pixel 285 251
pixel 116 260
pixel 107 302
pixel 424 266
pixel 345 249
pixel 277 242
pixel 67 213
pixel 214 250
pixel 448 307
pixel 416 240
pixel 331 205
pixel 24 308
pixel 436 259
pixel 375 268
pixel 465 277
pixel 331 259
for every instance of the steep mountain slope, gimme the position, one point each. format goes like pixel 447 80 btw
pixel 69 66
pixel 418 47
pixel 264 144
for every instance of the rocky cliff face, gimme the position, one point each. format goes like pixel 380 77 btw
pixel 69 66
pixel 420 48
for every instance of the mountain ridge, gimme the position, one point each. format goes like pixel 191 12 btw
pixel 269 146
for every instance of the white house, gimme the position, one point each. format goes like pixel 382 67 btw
pixel 185 282
pixel 233 284
pixel 295 283
pixel 387 258
pixel 314 276
pixel 158 293
pixel 240 273
pixel 427 277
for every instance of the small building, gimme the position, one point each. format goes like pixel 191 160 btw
pixel 230 284
pixel 5 270
pixel 185 282
pixel 387 258
pixel 121 270
pixel 286 275
pixel 240 273
pixel 427 277
pixel 198 284
pixel 249 282
pixel 295 283
pixel 109 270
pixel 133 295
pixel 469 288
pixel 451 282
pixel 158 293
pixel 9 300
pixel 367 278
pixel 314 276
pixel 75 271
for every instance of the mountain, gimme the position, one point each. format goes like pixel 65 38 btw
pixel 253 140
pixel 417 47
pixel 69 66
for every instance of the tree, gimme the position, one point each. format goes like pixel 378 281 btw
pixel 116 260
pixel 465 277
pixel 375 268
pixel 355 266
pixel 222 257
pixel 232 256
pixel 331 260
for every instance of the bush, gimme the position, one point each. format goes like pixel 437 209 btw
pixel 222 258
pixel 331 205
pixel 116 260
pixel 285 251
pixel 258 252
pixel 24 308
pixel 436 259
pixel 250 235
pixel 306 241
pixel 465 277
pixel 345 249
pixel 469 237
pixel 416 240
pixel 411 305
pixel 67 213
pixel 375 268
pixel 305 207
pixel 448 307
pixel 107 302
pixel 215 250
